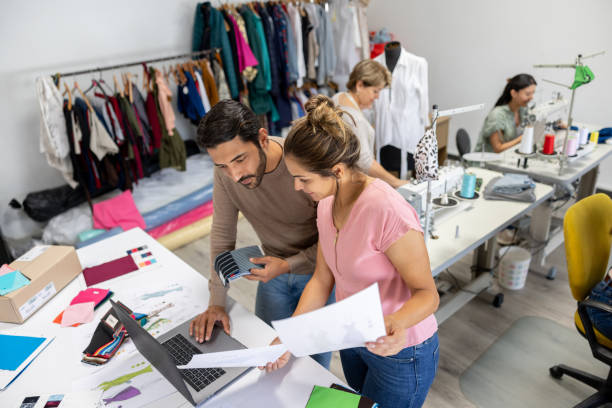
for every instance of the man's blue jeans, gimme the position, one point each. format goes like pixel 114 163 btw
pixel 278 299
pixel 402 380
pixel 602 292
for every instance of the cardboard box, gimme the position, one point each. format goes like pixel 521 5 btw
pixel 50 269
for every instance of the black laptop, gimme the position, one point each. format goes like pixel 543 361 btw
pixel 175 348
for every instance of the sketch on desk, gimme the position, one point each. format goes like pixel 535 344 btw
pixel 133 382
pixel 160 293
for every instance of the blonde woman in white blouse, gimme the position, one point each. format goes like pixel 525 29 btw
pixel 366 81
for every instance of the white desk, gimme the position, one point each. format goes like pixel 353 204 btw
pixel 60 364
pixel 477 226
pixel 543 227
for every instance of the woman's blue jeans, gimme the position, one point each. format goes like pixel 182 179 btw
pixel 402 380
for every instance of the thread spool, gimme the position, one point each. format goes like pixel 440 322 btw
pixel 549 144
pixel 594 137
pixel 527 141
pixel 584 136
pixel 469 185
pixel 572 146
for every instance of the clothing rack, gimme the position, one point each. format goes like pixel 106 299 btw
pixel 130 64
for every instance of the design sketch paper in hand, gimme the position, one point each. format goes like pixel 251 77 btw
pixel 231 265
pixel 252 357
pixel 345 324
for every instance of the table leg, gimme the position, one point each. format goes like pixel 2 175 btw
pixel 587 184
pixel 540 231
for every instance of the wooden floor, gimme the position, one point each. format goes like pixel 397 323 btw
pixel 464 336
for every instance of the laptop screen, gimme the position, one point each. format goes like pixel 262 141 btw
pixel 154 352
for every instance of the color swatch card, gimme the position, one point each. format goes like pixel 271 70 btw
pixel 109 270
pixel 23 349
pixel 12 281
pixel 4 269
pixel 95 295
pixel 231 265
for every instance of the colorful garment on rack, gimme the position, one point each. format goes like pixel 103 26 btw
pixel 209 32
pixel 189 101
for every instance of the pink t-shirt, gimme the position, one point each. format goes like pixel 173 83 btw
pixel 379 217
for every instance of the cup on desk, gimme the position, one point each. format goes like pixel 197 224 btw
pixel 469 185
pixel 594 137
pixel 549 144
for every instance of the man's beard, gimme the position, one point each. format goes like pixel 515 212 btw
pixel 259 172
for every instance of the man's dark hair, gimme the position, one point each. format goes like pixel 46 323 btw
pixel 226 120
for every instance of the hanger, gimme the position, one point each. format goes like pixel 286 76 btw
pixel 129 87
pixel 189 65
pixel 181 75
pixel 93 84
pixel 117 87
pixel 101 82
pixel 76 86
pixel 69 95
pixel 145 77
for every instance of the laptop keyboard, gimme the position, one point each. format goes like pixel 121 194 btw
pixel 181 351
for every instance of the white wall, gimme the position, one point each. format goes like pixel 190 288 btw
pixel 473 46
pixel 42 37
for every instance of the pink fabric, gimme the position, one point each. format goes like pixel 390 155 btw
pixel 119 211
pixel 4 269
pixel 183 220
pixel 94 295
pixel 164 95
pixel 379 217
pixel 245 55
pixel 78 313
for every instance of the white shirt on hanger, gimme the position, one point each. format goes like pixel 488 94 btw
pixel 53 140
pixel 296 26
pixel 203 94
pixel 346 39
pixel 401 111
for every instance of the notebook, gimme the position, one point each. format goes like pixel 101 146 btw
pixel 23 349
pixel 231 265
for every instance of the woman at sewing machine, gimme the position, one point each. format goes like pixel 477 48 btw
pixel 367 79
pixel 502 127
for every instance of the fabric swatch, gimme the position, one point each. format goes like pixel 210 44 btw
pixel 4 269
pixel 109 270
pixel 91 295
pixel 119 211
pixel 21 348
pixel 12 281
pixel 78 313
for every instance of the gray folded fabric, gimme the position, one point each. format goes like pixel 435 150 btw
pixel 512 184
pixel 526 195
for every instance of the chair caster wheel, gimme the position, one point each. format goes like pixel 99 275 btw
pixel 555 372
pixel 552 273
pixel 498 300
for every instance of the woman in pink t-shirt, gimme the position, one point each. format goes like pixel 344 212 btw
pixel 367 233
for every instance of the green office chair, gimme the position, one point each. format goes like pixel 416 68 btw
pixel 587 228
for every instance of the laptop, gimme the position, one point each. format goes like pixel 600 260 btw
pixel 176 347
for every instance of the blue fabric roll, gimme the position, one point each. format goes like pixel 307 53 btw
pixel 178 207
pixel 100 237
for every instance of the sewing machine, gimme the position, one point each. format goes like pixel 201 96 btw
pixel 547 114
pixel 449 183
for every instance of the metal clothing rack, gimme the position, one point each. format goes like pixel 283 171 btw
pixel 131 64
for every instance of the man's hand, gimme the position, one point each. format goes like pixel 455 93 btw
pixel 272 268
pixel 280 362
pixel 202 326
pixel 392 343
